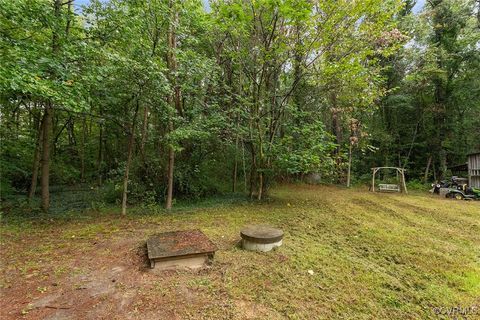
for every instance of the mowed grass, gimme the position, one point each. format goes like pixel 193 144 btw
pixel 347 254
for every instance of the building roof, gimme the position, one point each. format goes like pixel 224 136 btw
pixel 473 153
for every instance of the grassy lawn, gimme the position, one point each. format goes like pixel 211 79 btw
pixel 373 256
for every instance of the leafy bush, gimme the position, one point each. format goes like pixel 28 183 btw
pixel 418 185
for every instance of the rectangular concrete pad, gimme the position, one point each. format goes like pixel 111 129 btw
pixel 179 248
pixel 191 262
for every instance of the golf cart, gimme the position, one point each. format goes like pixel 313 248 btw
pixel 456 188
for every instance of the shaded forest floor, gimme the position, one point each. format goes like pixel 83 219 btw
pixel 373 256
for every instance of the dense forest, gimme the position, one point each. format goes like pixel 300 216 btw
pixel 147 101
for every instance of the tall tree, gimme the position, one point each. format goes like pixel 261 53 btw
pixel 174 98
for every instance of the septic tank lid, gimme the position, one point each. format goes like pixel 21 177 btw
pixel 261 233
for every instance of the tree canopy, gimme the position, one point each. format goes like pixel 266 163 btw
pixel 154 100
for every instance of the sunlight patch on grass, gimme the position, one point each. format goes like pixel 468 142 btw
pixel 90 231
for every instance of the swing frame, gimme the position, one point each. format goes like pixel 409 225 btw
pixel 401 171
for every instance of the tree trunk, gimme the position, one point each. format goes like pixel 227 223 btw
pixel 131 140
pixel 82 151
pixel 235 164
pixel 69 16
pixel 336 124
pixel 144 132
pixel 244 168
pixel 260 186
pixel 441 93
pixel 404 183
pixel 253 168
pixel 374 172
pixel 349 165
pixel 298 67
pixel 234 175
pixel 36 162
pixel 443 163
pixel 427 169
pixel 72 140
pixel 171 163
pixel 45 179
pixel 47 123
pixel 100 154
pixel 478 14
pixel 174 99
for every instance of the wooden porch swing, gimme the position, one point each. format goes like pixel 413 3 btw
pixel 401 187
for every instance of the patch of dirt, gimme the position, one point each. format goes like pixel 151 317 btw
pixel 252 310
pixel 108 280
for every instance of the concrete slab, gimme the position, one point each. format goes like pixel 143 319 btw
pixel 185 249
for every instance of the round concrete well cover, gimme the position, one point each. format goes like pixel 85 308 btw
pixel 261 233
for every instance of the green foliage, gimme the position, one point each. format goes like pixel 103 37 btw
pixel 306 151
pixel 432 109
pixel 267 90
pixel 418 185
